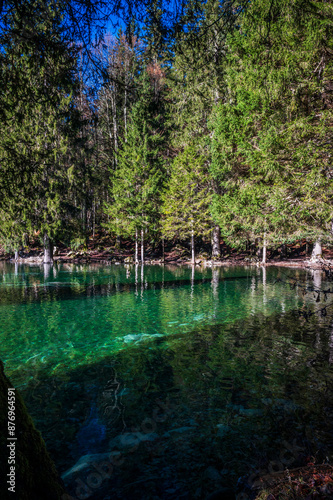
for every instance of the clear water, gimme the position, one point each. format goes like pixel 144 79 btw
pixel 195 376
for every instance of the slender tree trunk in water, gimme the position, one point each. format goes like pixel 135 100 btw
pixel 48 250
pixel 192 248
pixel 317 250
pixel 264 250
pixel 216 250
pixel 136 247
pixel 142 247
pixel 163 250
pixel 16 255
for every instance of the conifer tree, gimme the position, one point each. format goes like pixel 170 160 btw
pixel 137 180
pixel 36 132
pixel 271 133
pixel 186 201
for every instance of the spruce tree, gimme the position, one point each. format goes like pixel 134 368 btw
pixel 271 133
pixel 137 180
pixel 36 132
pixel 186 201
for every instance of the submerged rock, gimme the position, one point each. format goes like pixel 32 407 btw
pixel 132 338
pixel 84 463
pixel 130 440
pixel 139 337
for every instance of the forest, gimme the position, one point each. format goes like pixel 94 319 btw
pixel 162 121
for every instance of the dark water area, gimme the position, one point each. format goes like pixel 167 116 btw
pixel 170 382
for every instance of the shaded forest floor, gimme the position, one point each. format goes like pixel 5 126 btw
pixel 105 250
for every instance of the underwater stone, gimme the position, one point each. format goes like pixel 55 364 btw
pixel 85 462
pixel 132 338
pixel 131 439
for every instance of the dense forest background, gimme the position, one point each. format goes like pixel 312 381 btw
pixel 166 121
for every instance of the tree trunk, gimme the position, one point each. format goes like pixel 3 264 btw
pixel 306 248
pixel 94 219
pixel 48 250
pixel 264 250
pixel 142 247
pixel 125 102
pixel 16 255
pixel 136 247
pixel 330 359
pixel 163 250
pixel 192 248
pixel 317 250
pixel 84 214
pixel 216 250
pixel 115 125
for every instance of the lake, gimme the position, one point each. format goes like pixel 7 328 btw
pixel 169 382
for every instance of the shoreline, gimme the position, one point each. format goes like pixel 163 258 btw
pixel 128 261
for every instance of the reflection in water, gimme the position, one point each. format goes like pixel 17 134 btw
pixel 47 271
pixel 204 368
pixel 316 276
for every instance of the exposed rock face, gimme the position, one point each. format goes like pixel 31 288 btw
pixel 35 475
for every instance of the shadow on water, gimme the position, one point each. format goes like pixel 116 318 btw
pixel 178 417
pixel 176 388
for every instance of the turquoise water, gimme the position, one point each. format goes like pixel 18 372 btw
pixel 196 376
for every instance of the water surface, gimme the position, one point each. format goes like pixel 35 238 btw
pixel 178 379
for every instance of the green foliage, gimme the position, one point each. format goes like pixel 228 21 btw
pixel 271 134
pixel 36 132
pixel 240 137
pixel 186 201
pixel 137 180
